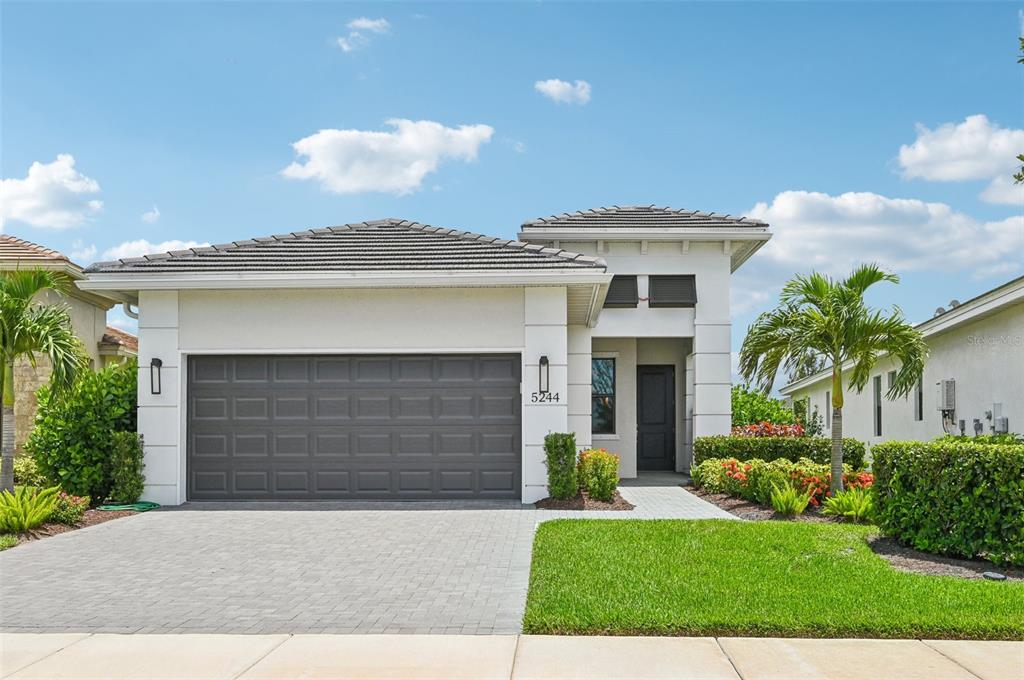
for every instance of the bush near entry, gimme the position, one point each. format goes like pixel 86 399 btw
pixel 817 449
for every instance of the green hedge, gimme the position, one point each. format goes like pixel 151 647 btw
pixel 955 498
pixel 818 449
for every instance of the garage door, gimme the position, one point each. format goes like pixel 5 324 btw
pixel 344 427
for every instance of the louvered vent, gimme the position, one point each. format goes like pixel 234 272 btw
pixel 622 292
pixel 673 291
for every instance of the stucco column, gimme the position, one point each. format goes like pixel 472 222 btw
pixel 580 385
pixel 712 357
pixel 160 414
pixel 544 334
pixel 683 463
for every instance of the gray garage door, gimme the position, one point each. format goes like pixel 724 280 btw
pixel 328 427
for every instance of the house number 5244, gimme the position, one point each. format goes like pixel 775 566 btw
pixel 544 397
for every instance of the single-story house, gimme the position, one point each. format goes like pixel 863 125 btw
pixel 973 380
pixel 103 344
pixel 395 360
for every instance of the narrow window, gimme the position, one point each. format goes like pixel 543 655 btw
pixel 602 410
pixel 828 408
pixel 672 291
pixel 892 380
pixel 919 400
pixel 622 292
pixel 878 405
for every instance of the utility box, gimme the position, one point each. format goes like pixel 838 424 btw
pixel 947 395
pixel 1001 425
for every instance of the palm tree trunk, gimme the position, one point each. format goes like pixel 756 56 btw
pixel 837 451
pixel 7 428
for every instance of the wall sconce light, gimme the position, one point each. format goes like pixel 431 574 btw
pixel 544 379
pixel 154 375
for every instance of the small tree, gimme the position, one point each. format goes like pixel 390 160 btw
pixel 751 407
pixel 828 317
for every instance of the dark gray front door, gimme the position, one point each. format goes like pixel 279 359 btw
pixel 373 426
pixel 655 416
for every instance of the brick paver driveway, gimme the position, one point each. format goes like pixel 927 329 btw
pixel 272 568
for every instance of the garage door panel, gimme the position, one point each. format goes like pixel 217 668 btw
pixel 309 427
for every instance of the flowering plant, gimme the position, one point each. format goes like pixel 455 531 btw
pixel 69 509
pixel 766 429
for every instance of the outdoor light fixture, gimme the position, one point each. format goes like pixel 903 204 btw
pixel 544 379
pixel 154 375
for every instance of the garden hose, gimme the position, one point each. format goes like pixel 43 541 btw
pixel 141 506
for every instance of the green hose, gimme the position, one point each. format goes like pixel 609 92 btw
pixel 141 506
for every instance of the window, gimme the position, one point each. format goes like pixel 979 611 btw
pixel 673 291
pixel 892 379
pixel 919 400
pixel 828 408
pixel 602 408
pixel 878 405
pixel 622 292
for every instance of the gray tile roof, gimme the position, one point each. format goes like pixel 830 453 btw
pixel 641 217
pixel 381 245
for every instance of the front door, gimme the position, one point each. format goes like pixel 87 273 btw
pixel 656 411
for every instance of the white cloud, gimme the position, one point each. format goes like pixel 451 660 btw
pixel 832 234
pixel 360 31
pixel 81 252
pixel 564 92
pixel 1003 190
pixel 353 161
pixel 976 149
pixel 53 195
pixel 151 216
pixel 144 247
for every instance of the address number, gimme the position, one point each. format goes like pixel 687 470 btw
pixel 544 397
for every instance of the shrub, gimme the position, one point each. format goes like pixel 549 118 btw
pixel 755 479
pixel 8 541
pixel 69 509
pixel 818 449
pixel 27 473
pixel 768 430
pixel 708 475
pixel 599 474
pixel 763 475
pixel 750 407
pixel 1010 438
pixel 953 497
pixel 787 500
pixel 72 440
pixel 857 504
pixel 26 508
pixel 560 454
pixel 127 480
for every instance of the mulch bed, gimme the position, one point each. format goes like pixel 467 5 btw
pixel 90 518
pixel 892 551
pixel 585 502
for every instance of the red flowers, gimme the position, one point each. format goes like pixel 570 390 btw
pixel 767 429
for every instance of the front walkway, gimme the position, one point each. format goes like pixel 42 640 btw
pixel 254 568
pixel 501 657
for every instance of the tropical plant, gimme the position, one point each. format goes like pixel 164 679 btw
pixel 126 463
pixel 599 474
pixel 788 500
pixel 29 328
pixel 856 504
pixel 809 421
pixel 27 472
pixel 829 317
pixel 26 508
pixel 750 407
pixel 69 509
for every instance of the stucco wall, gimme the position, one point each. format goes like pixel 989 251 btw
pixel 984 357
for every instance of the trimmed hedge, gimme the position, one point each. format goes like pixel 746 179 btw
pixel 560 458
pixel 818 449
pixel 954 498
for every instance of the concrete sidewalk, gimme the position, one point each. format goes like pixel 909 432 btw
pixel 412 657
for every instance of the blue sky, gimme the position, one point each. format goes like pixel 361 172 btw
pixel 860 131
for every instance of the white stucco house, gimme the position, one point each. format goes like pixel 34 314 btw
pixel 391 359
pixel 973 380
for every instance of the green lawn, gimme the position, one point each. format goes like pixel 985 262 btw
pixel 721 577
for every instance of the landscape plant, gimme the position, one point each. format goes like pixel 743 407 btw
pixel 599 474
pixel 126 460
pixel 560 458
pixel 792 449
pixel 828 318
pixel 754 479
pixel 27 472
pixel 30 329
pixel 750 407
pixel 26 508
pixel 857 504
pixel 68 509
pixel 788 500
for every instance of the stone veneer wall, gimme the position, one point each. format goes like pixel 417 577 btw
pixel 26 381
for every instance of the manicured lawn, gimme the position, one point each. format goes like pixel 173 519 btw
pixel 720 577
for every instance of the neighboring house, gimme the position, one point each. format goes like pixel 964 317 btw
pixel 973 381
pixel 88 318
pixel 391 359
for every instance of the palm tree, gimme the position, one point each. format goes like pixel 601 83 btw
pixel 27 328
pixel 827 317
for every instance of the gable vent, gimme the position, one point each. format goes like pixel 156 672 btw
pixel 673 291
pixel 622 292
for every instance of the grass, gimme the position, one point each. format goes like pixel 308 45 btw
pixel 8 541
pixel 721 577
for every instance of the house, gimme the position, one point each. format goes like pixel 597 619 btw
pixel 88 313
pixel 973 380
pixel 392 359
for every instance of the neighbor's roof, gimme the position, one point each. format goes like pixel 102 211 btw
pixel 641 218
pixel 381 245
pixel 12 248
pixel 124 339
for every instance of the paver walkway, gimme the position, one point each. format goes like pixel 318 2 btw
pixel 501 657
pixel 326 568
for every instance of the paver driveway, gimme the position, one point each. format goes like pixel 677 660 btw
pixel 371 568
